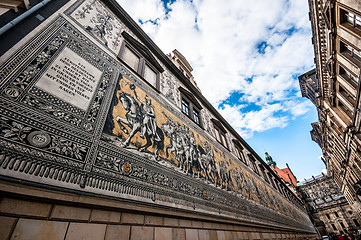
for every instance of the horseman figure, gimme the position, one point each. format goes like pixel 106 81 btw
pixel 140 118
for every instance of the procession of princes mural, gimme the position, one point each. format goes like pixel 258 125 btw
pixel 139 123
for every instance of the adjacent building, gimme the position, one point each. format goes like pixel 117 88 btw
pixel 336 28
pixel 309 85
pixel 285 174
pixel 327 206
pixel 102 134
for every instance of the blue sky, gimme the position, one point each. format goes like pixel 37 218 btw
pixel 252 52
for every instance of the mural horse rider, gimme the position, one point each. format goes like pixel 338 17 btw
pixel 140 118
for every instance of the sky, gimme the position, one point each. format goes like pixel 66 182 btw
pixel 252 52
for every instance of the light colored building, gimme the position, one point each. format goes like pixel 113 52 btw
pixel 285 174
pixel 308 85
pixel 327 207
pixel 336 28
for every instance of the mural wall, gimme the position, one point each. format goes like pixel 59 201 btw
pixel 139 123
pixel 73 116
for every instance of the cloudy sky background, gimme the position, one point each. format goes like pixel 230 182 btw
pixel 246 57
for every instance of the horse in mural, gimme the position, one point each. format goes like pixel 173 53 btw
pixel 191 157
pixel 140 118
pixel 240 180
pixel 180 143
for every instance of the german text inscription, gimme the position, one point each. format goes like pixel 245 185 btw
pixel 71 78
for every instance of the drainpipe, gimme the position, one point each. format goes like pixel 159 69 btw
pixel 21 17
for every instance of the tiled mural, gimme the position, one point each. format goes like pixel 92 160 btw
pixel 73 116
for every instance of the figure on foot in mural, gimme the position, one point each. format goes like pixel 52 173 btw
pixel 149 125
pixel 191 157
pixel 140 118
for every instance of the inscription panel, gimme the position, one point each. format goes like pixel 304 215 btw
pixel 71 78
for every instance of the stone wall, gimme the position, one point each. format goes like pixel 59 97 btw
pixel 30 212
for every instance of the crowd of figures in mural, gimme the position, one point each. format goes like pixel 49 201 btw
pixel 194 159
pixel 140 117
pixel 168 140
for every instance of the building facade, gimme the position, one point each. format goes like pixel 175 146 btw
pixel 328 208
pixel 337 44
pixel 309 85
pixel 285 174
pixel 103 135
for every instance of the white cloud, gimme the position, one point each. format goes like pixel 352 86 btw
pixel 262 120
pixel 220 41
pixel 143 10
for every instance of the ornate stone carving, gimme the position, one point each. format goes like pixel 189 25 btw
pixel 39 139
pixel 102 23
pixel 168 86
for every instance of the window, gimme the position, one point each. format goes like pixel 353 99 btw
pixel 139 58
pixel 220 132
pixel 185 107
pixel 131 58
pixel 352 19
pixel 344 109
pixel 342 225
pixel 196 116
pixel 253 163
pixel 306 193
pixel 328 216
pixel 348 75
pixel 239 150
pixel 351 51
pixel 313 206
pixel 350 98
pixel 190 106
pixel 336 214
pixel 334 227
pixel 357 224
pixel 221 136
pixel 263 170
pixel 271 179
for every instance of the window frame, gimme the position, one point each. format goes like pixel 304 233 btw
pixel 185 106
pixel 348 75
pixel 193 105
pixel 350 52
pixel 345 16
pixel 239 151
pixel 264 172
pixel 145 59
pixel 271 179
pixel 342 225
pixel 253 164
pixel 217 125
pixel 357 224
pixel 334 227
